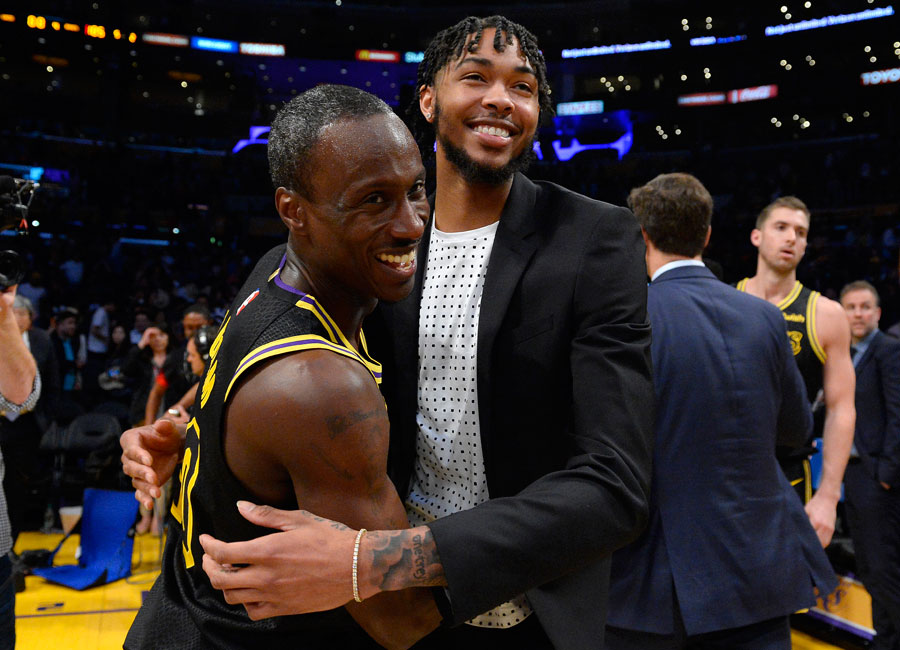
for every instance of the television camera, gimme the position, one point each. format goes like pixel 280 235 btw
pixel 15 199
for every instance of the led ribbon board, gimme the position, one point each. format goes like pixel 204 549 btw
pixel 714 40
pixel 383 56
pixel 580 108
pixel 213 44
pixel 622 48
pixel 172 40
pixel 262 49
pixel 830 21
pixel 737 96
pixel 878 77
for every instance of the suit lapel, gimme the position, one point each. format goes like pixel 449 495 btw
pixel 869 353
pixel 510 255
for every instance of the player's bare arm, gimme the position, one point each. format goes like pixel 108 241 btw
pixel 314 427
pixel 839 384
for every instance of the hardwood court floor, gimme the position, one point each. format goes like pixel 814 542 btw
pixel 49 617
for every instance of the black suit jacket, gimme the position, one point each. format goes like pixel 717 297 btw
pixel 566 409
pixel 878 409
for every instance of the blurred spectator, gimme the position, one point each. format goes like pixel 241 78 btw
pixel 144 362
pixel 33 289
pixel 73 268
pixel 141 323
pixel 172 384
pixel 114 383
pixel 71 354
pixel 97 346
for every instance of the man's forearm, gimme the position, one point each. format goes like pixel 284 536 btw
pixel 399 559
pixel 837 439
pixel 18 369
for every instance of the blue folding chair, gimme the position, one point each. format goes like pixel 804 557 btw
pixel 107 540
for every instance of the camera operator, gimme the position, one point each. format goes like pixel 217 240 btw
pixel 20 388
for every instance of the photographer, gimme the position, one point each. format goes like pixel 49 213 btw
pixel 20 388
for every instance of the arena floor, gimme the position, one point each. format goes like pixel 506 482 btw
pixel 49 617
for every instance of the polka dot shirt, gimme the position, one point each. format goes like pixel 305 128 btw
pixel 449 471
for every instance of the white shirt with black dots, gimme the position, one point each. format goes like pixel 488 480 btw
pixel 449 471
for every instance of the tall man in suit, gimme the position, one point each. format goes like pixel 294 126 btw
pixel 872 479
pixel 520 421
pixel 728 554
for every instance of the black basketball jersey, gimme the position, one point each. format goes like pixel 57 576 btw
pixel 799 311
pixel 183 610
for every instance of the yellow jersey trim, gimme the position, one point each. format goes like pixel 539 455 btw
pixel 791 297
pixel 811 326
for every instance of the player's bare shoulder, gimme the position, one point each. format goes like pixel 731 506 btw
pixel 307 389
pixel 832 326
pixel 307 419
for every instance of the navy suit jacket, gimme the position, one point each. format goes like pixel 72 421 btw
pixel 878 409
pixel 565 403
pixel 726 531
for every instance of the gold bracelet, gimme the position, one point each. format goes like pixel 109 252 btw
pixel 359 535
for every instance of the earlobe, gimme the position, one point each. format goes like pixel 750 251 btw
pixel 426 102
pixel 289 209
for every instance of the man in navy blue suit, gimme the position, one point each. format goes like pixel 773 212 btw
pixel 728 553
pixel 872 479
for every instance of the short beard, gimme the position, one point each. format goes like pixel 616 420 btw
pixel 478 173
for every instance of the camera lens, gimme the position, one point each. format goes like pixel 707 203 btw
pixel 12 269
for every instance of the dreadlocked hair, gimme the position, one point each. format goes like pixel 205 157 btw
pixel 448 46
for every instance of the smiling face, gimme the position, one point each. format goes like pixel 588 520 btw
pixel 358 230
pixel 485 109
pixel 781 239
pixel 863 311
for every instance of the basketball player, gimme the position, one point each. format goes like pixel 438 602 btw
pixel 289 410
pixel 820 339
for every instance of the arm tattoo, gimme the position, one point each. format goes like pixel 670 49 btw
pixel 336 525
pixel 326 460
pixel 338 424
pixel 406 558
